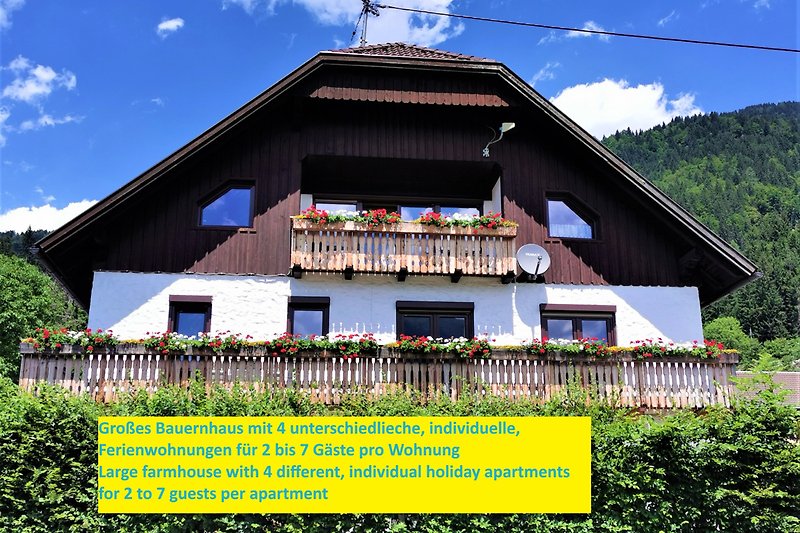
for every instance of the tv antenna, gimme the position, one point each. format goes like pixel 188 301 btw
pixel 368 9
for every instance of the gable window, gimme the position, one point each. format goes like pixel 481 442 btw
pixel 189 315
pixel 308 315
pixel 232 208
pixel 435 319
pixel 564 321
pixel 565 221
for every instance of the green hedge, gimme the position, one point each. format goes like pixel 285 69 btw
pixel 720 470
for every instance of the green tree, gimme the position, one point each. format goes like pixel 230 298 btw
pixel 787 351
pixel 728 331
pixel 29 299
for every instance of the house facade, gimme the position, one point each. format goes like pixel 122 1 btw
pixel 205 240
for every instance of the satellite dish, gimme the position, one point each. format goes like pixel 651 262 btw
pixel 533 259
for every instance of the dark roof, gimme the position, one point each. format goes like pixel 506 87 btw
pixel 407 50
pixel 416 57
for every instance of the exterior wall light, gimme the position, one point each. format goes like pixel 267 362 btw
pixel 504 127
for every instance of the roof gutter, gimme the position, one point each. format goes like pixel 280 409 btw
pixel 734 286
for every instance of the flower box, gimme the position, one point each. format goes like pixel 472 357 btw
pixel 402 227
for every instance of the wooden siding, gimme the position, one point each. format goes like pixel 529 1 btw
pixel 157 229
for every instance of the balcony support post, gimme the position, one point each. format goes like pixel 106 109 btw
pixel 402 274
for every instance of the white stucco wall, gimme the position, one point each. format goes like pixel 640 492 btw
pixel 132 304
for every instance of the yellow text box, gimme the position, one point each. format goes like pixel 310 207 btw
pixel 344 465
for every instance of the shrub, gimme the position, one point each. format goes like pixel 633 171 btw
pixel 721 470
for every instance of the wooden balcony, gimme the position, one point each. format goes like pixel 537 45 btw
pixel 402 249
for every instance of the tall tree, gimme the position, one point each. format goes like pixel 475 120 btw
pixel 29 299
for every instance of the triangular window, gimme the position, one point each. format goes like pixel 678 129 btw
pixel 563 221
pixel 232 208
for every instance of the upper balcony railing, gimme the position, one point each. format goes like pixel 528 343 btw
pixel 403 248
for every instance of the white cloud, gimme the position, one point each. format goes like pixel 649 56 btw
pixel 588 25
pixel 46 198
pixel 167 27
pixel 669 18
pixel 6 8
pixel 391 26
pixel 19 63
pixel 545 73
pixel 608 106
pixel 4 114
pixel 34 83
pixel 591 25
pixel 46 120
pixel 757 4
pixel 251 7
pixel 157 101
pixel 44 217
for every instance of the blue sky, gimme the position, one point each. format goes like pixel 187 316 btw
pixel 92 93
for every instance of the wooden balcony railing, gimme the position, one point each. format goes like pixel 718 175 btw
pixel 622 381
pixel 403 248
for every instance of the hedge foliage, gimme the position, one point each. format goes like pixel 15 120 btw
pixel 720 470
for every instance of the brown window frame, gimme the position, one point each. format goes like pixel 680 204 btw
pixel 215 195
pixel 178 303
pixel 309 303
pixel 576 313
pixel 435 309
pixel 580 208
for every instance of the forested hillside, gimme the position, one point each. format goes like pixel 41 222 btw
pixel 739 173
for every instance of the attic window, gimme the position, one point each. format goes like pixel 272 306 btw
pixel 232 208
pixel 564 221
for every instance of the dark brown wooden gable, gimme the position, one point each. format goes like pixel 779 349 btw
pixel 153 227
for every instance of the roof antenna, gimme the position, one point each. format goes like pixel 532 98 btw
pixel 368 9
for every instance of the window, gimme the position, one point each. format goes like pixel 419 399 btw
pixel 337 207
pixel 409 209
pixel 189 315
pixel 308 315
pixel 232 208
pixel 461 211
pixel 413 212
pixel 579 322
pixel 435 319
pixel 564 221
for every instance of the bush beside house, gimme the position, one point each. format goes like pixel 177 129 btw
pixel 684 472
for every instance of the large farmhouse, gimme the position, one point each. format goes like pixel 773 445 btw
pixel 204 240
